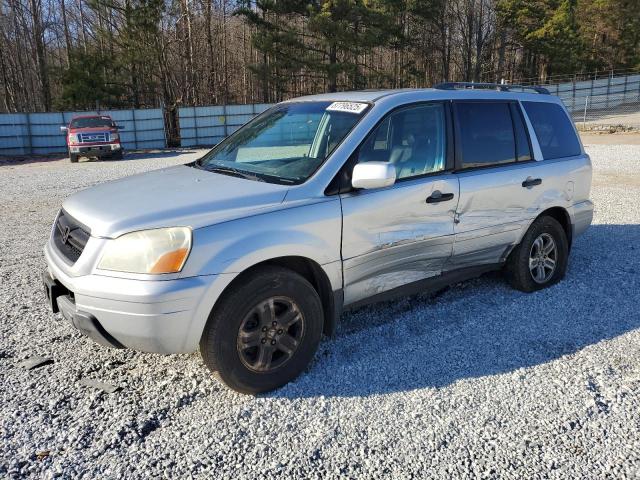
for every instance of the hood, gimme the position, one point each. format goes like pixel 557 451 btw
pixel 92 129
pixel 175 196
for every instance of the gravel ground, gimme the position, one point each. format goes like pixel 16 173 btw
pixel 478 381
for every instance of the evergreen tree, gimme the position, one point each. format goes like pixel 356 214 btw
pixel 87 82
pixel 548 32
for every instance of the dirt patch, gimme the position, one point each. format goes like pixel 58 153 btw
pixel 614 179
pixel 591 138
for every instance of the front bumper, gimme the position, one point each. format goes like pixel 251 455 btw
pixel 162 316
pixel 63 301
pixel 102 150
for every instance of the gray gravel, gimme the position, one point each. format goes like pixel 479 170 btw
pixel 479 381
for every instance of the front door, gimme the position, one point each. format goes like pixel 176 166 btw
pixel 404 233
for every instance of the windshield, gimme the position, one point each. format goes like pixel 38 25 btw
pixel 91 122
pixel 287 143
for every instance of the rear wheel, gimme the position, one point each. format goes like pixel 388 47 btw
pixel 541 258
pixel 264 332
pixel 118 155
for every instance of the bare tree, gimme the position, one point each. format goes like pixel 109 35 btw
pixel 171 53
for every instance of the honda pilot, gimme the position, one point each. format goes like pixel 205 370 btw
pixel 321 203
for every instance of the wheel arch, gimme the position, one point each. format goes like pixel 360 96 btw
pixel 314 273
pixel 562 216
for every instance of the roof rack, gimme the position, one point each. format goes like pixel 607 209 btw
pixel 501 87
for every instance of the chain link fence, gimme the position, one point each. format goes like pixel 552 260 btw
pixel 607 104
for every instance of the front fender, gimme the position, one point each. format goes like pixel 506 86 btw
pixel 312 231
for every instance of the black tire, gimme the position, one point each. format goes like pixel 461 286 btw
pixel 238 366
pixel 518 271
pixel 73 157
pixel 118 155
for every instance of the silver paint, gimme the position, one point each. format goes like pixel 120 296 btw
pixel 373 175
pixel 367 241
pixel 392 236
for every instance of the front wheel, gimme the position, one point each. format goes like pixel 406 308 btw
pixel 541 258
pixel 73 157
pixel 264 332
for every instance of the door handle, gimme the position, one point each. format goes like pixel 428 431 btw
pixel 438 196
pixel 531 182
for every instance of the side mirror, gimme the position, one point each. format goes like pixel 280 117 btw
pixel 373 175
pixel 63 129
pixel 120 127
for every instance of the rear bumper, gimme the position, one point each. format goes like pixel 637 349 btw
pixel 581 217
pixel 163 316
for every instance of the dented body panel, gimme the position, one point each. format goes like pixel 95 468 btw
pixel 392 237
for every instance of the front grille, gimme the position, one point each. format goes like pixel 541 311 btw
pixel 70 236
pixel 93 137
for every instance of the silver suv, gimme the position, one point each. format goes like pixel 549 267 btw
pixel 321 203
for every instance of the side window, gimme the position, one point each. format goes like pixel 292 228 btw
pixel 486 133
pixel 412 139
pixel 556 135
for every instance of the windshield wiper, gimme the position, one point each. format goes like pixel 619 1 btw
pixel 258 177
pixel 233 172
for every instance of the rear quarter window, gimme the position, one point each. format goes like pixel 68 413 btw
pixel 556 135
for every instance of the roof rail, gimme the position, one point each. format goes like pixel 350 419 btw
pixel 501 87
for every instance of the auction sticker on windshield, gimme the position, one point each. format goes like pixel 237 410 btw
pixel 351 107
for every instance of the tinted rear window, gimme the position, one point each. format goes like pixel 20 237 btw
pixel 556 135
pixel 486 133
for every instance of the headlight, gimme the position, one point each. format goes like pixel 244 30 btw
pixel 114 136
pixel 163 250
pixel 73 138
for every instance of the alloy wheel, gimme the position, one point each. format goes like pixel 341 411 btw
pixel 543 258
pixel 270 334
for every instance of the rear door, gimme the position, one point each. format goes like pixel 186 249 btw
pixel 500 183
pixel 404 233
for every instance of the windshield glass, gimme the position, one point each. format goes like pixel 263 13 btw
pixel 287 143
pixel 91 122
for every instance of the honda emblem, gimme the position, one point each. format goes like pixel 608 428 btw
pixel 65 234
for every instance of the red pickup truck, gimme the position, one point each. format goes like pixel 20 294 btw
pixel 93 136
